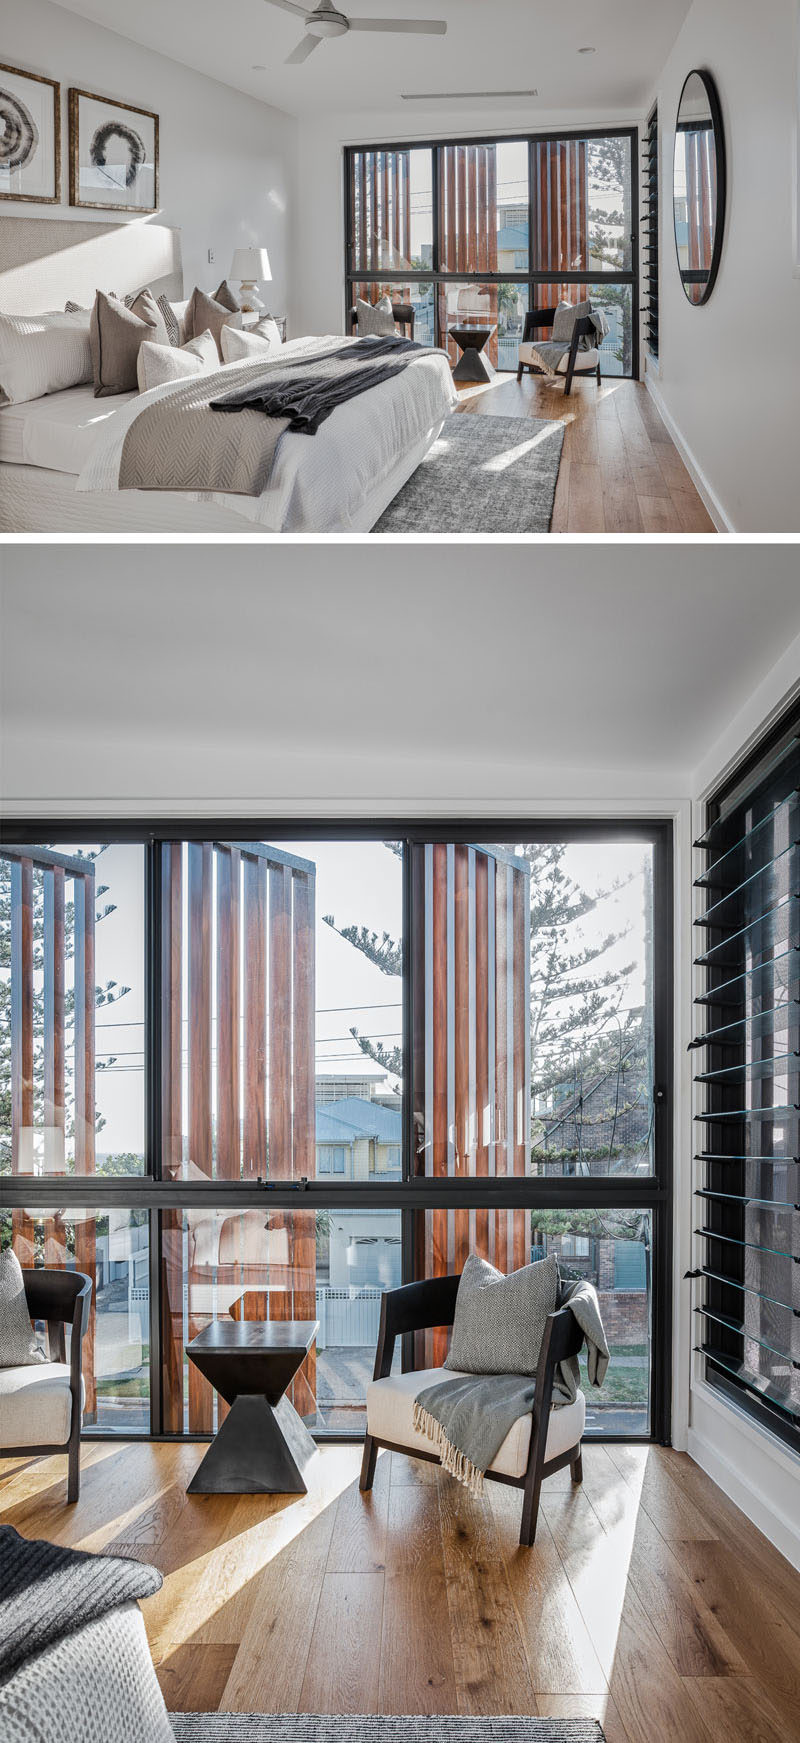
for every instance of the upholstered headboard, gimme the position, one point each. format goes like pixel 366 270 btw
pixel 45 262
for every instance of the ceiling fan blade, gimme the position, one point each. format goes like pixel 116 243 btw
pixel 302 51
pixel 289 6
pixel 417 26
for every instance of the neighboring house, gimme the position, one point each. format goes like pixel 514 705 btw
pixel 359 1140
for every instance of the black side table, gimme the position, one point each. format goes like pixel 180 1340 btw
pixel 263 1446
pixel 472 366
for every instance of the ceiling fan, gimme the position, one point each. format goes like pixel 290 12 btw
pixel 324 21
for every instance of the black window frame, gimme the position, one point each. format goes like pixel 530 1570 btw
pixel 532 278
pixel 155 1194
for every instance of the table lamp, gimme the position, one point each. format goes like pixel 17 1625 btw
pixel 250 264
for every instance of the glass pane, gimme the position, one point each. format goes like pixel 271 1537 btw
pixel 112 1248
pixel 416 292
pixel 500 307
pixel 611 1248
pixel 483 207
pixel 582 205
pixel 72 1002
pixel 329 1265
pixel 534 969
pixel 391 204
pixel 282 1023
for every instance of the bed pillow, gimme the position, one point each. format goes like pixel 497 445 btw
pixel 165 309
pixel 156 364
pixel 205 314
pixel 178 312
pixel 375 317
pixel 499 1321
pixel 115 334
pixel 18 1346
pixel 241 344
pixel 226 295
pixel 42 354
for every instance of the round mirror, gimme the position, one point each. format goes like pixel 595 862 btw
pixel 699 186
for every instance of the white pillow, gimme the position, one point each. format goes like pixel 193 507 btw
pixel 242 343
pixel 42 354
pixel 156 364
pixel 179 311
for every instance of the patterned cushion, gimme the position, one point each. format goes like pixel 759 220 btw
pixel 18 1347
pixel 375 317
pixel 157 364
pixel 499 1321
pixel 164 307
pixel 565 317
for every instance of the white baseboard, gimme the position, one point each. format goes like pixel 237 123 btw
pixel 721 520
pixel 758 1475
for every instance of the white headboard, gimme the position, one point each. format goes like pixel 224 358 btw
pixel 46 262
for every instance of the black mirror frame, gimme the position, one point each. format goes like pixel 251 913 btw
pixel 715 106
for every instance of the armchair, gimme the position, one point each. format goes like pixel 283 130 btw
pixel 537 1445
pixel 567 366
pixel 46 1398
pixel 403 315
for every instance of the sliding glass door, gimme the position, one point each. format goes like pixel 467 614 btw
pixel 481 231
pixel 340 1060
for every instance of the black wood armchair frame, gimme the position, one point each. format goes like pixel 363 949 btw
pixel 419 1307
pixel 583 327
pixel 61 1298
pixel 403 314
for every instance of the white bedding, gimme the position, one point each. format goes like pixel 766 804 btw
pixel 58 431
pixel 339 480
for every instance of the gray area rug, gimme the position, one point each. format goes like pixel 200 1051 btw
pixel 355 1728
pixel 484 474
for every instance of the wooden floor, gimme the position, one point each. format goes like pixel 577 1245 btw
pixel 648 1601
pixel 620 470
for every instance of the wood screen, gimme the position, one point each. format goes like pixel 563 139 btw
pixel 48 1040
pixel 380 204
pixel 471 1050
pixel 238 1049
pixel 560 206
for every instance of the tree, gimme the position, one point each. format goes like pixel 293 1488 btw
pixel 610 226
pixel 108 994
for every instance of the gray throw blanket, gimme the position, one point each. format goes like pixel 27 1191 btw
pixel 467 1419
pixel 306 391
pixel 47 1591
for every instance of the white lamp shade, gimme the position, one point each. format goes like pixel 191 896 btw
pixel 250 264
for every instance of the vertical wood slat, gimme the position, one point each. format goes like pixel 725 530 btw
pixel 84 1032
pixel 22 1225
pixel 254 1161
pixel 228 947
pixel 304 1388
pixel 461 1043
pixel 440 1255
pixel 501 1052
pixel 281 1277
pixel 200 878
pixel 482 1043
pixel 521 1109
pixel 54 1062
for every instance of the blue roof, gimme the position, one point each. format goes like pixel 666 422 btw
pixel 342 1122
pixel 513 236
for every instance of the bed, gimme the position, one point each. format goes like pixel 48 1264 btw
pixel 58 454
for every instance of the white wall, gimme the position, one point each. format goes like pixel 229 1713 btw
pixel 731 397
pixel 226 161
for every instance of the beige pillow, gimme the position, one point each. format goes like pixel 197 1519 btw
pixel 159 363
pixel 115 334
pixel 226 295
pixel 204 314
pixel 239 345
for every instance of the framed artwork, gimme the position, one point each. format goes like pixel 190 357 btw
pixel 30 136
pixel 113 154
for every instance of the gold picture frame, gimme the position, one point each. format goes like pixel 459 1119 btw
pixel 23 76
pixel 79 149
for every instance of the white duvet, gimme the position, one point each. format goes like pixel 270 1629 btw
pixel 334 481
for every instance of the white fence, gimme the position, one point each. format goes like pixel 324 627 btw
pixel 348 1318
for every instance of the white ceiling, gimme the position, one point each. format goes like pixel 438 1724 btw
pixel 374 675
pixel 512 44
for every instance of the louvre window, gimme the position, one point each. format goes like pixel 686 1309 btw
pixel 747 1053
pixel 650 168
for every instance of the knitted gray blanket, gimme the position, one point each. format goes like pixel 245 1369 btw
pixel 47 1591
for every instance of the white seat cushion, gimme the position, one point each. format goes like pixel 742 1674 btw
pixel 390 1416
pixel 584 359
pixel 36 1405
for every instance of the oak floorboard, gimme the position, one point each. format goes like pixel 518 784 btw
pixel 599 1707
pixel 417 1672
pixel 490 1661
pixel 343 1663
pixel 560 1653
pixel 740 1710
pixel 269 1668
pixel 193 1678
pixel 659 515
pixel 585 499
